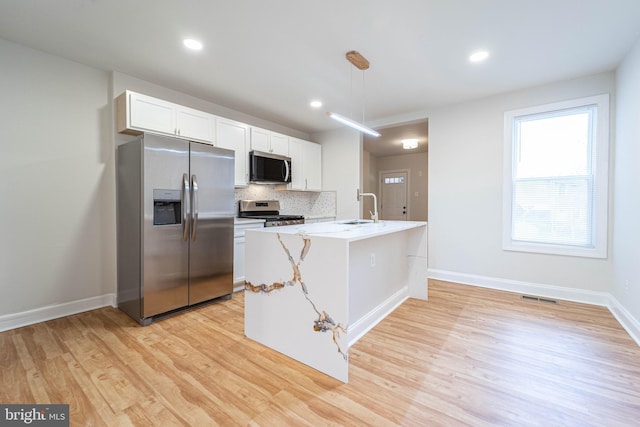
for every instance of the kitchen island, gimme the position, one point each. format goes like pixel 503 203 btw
pixel 312 290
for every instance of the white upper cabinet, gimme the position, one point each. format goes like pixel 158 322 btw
pixel 194 124
pixel 297 174
pixel 137 113
pixel 306 165
pixel 269 142
pixel 313 166
pixel 234 136
pixel 260 140
pixel 145 112
pixel 279 144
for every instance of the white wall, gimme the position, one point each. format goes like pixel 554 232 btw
pixel 626 194
pixel 465 193
pixel 57 222
pixel 341 165
pixel 369 181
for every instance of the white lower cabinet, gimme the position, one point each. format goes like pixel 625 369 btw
pixel 238 251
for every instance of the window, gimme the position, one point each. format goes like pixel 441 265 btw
pixel 394 180
pixel 555 178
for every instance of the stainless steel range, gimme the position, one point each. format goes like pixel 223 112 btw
pixel 269 210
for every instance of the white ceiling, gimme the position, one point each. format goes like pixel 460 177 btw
pixel 270 58
pixel 390 141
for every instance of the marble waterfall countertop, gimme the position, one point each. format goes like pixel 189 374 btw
pixel 312 290
pixel 350 230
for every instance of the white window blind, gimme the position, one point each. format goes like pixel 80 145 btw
pixel 555 173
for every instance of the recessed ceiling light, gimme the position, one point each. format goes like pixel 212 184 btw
pixel 479 56
pixel 192 44
pixel 315 103
pixel 409 144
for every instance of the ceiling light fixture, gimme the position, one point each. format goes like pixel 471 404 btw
pixel 361 63
pixel 192 44
pixel 409 144
pixel 479 56
pixel 353 124
pixel 315 104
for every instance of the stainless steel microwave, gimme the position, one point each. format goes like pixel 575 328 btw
pixel 267 168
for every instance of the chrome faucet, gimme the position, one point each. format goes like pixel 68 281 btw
pixel 374 214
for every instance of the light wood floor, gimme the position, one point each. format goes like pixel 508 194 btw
pixel 468 356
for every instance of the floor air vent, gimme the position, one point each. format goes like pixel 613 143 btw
pixel 530 298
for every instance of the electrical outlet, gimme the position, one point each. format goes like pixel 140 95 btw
pixel 626 286
pixel 373 259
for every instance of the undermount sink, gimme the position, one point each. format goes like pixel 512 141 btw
pixel 356 221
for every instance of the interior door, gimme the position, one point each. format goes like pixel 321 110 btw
pixel 211 238
pixel 394 195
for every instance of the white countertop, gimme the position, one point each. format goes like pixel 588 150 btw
pixel 341 230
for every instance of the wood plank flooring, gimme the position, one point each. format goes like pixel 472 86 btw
pixel 468 356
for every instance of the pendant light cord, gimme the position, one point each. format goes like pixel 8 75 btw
pixel 362 97
pixel 351 104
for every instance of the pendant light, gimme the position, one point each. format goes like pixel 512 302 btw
pixel 361 63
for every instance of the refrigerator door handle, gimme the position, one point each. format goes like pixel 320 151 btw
pixel 194 207
pixel 185 206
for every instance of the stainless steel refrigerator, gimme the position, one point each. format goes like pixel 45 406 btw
pixel 175 204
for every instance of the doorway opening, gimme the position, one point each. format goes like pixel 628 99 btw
pixel 386 154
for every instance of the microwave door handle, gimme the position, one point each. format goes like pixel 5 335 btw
pixel 286 173
pixel 185 206
pixel 194 207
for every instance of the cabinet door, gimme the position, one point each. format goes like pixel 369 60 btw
pixel 234 136
pixel 279 144
pixel 313 166
pixel 297 164
pixel 238 260
pixel 152 114
pixel 194 124
pixel 260 140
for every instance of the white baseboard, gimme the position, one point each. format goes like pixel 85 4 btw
pixel 25 318
pixel 375 316
pixel 628 322
pixel 604 299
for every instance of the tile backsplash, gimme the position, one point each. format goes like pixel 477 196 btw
pixel 309 204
